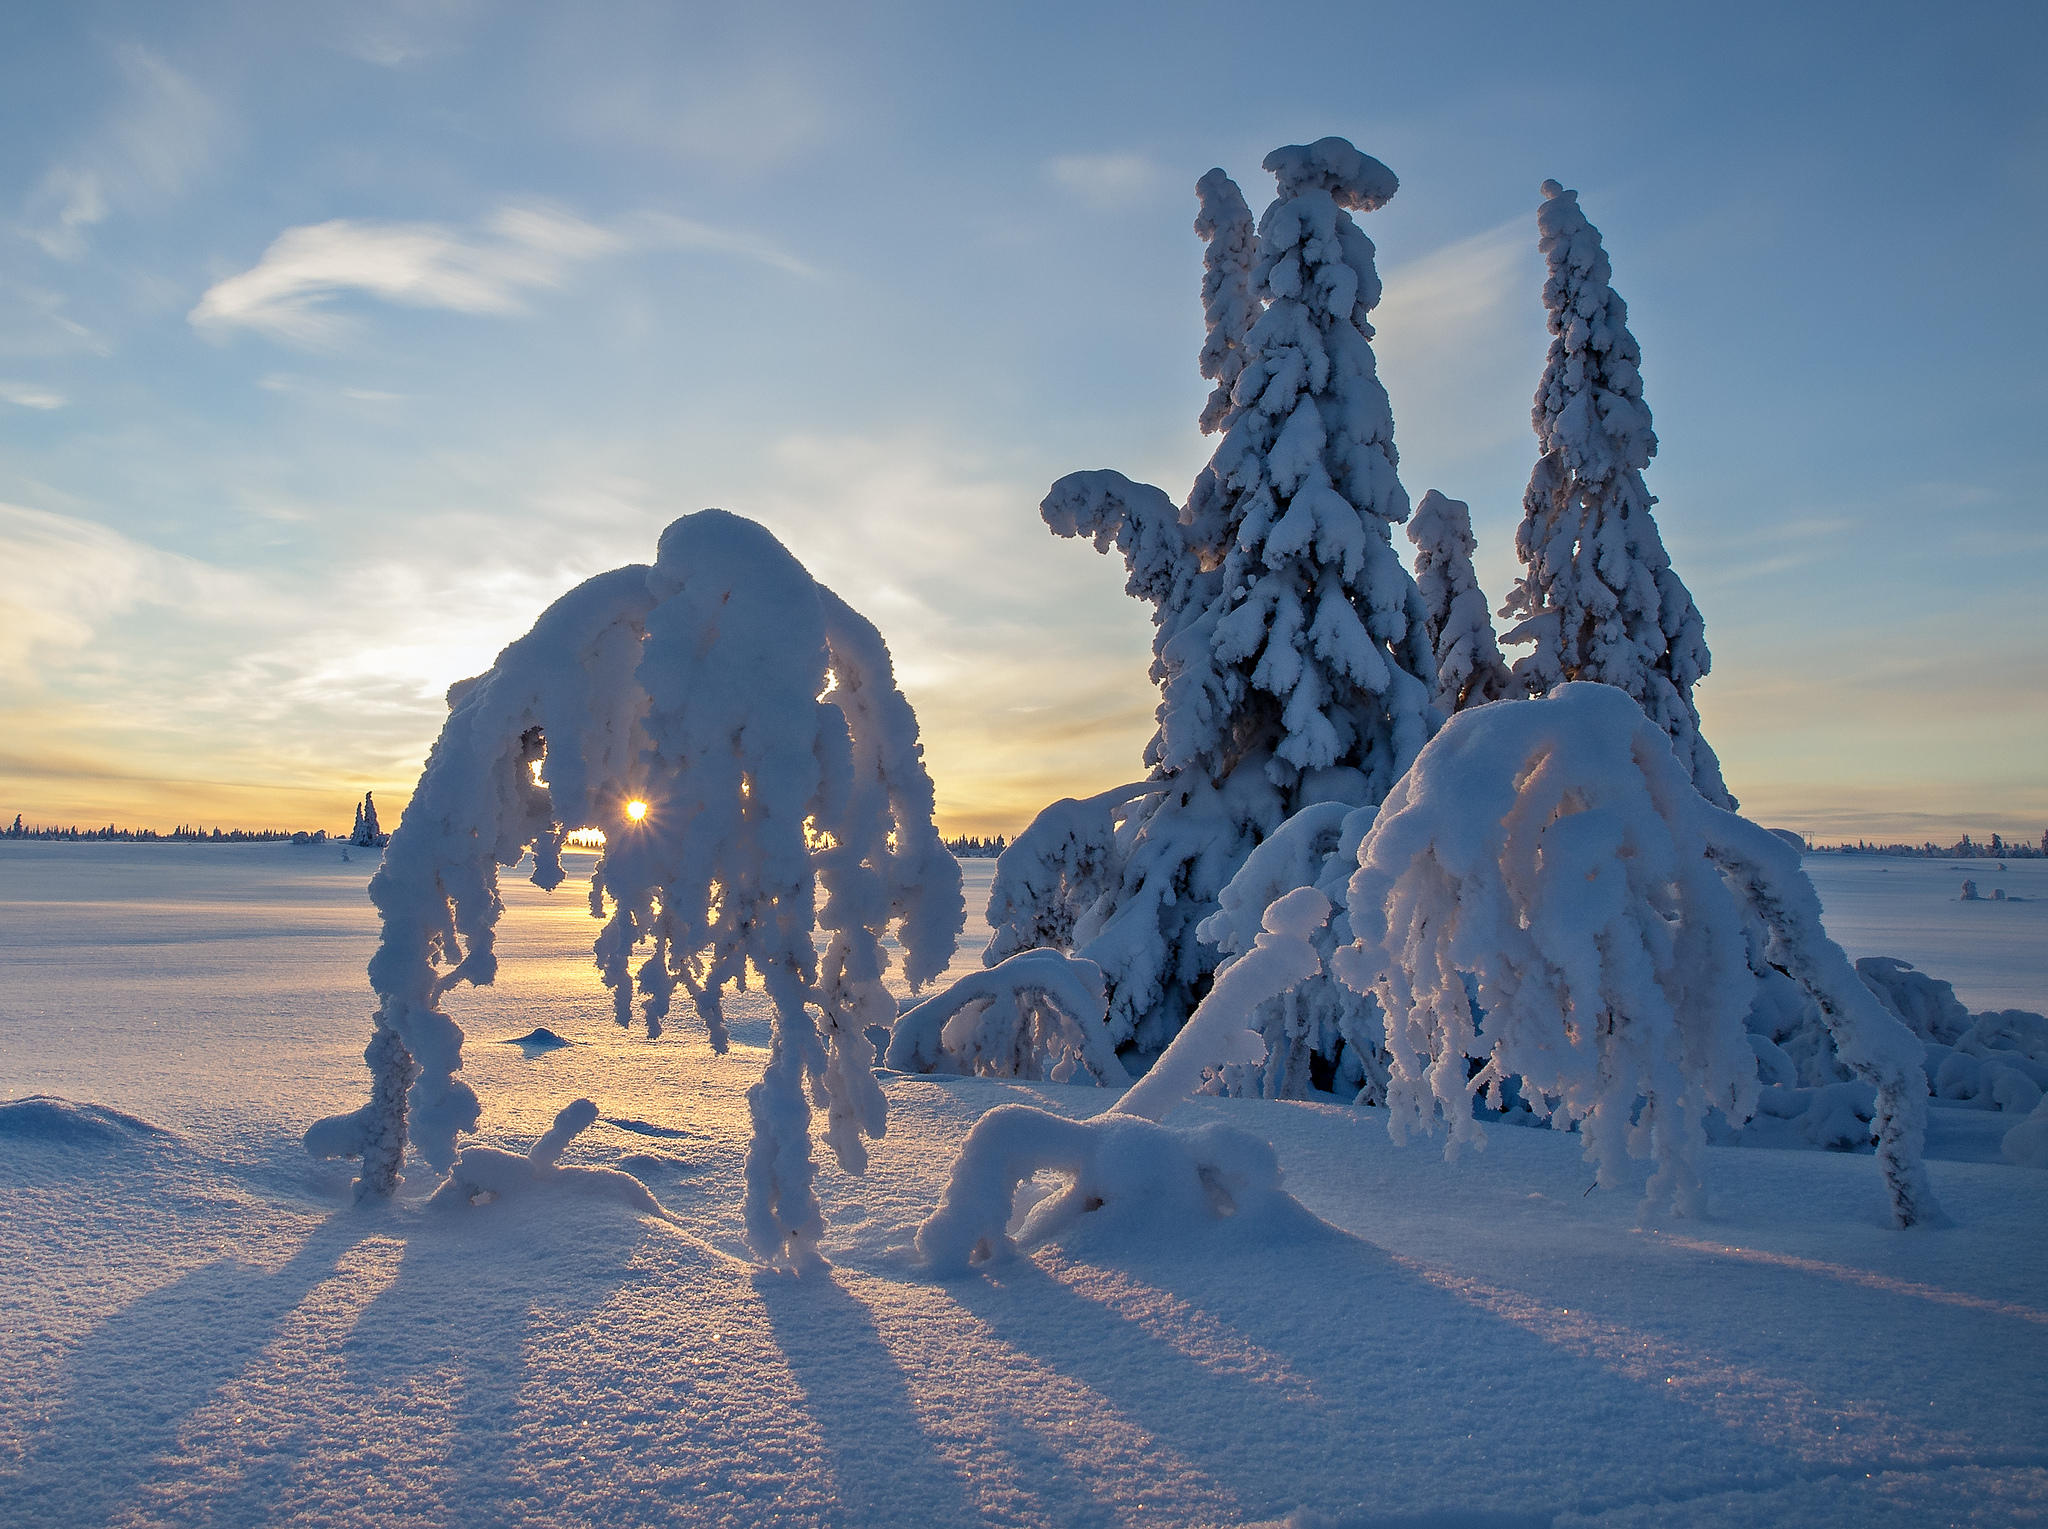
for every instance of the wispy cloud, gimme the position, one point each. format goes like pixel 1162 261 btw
pixel 164 134
pixel 66 577
pixel 1105 180
pixel 520 249
pixel 26 395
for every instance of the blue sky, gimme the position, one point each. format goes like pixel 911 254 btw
pixel 335 341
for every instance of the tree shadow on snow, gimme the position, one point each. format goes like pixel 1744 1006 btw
pixel 1316 1371
pixel 884 1467
pixel 131 1383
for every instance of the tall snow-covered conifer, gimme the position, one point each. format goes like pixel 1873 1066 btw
pixel 1598 596
pixel 1469 668
pixel 1291 647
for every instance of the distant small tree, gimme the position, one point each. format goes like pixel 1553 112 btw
pixel 1598 597
pixel 1469 668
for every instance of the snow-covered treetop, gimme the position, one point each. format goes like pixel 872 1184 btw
pixel 735 730
pixel 1228 312
pixel 1598 597
pixel 1356 181
pixel 1469 668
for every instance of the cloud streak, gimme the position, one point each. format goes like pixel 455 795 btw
pixel 522 248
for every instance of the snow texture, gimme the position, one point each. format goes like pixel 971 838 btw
pixel 1545 894
pixel 1469 668
pixel 735 731
pixel 1290 646
pixel 1038 1014
pixel 1598 596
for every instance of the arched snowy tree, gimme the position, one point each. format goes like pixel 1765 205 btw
pixel 1547 895
pixel 1598 596
pixel 1469 668
pixel 735 730
pixel 1291 649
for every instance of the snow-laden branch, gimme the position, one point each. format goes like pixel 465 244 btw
pixel 736 732
pixel 1038 1014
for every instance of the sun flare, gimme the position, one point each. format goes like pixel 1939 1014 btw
pixel 636 810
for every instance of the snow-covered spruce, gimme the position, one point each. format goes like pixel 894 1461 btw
pixel 1038 1014
pixel 1126 1166
pixel 1547 895
pixel 1598 597
pixel 735 730
pixel 1291 650
pixel 1230 242
pixel 1469 668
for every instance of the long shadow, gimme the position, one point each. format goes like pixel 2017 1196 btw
pixel 884 1466
pixel 131 1383
pixel 1372 1368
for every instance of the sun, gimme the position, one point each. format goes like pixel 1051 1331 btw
pixel 636 810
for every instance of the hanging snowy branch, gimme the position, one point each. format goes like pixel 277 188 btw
pixel 1598 596
pixel 1039 1014
pixel 1540 895
pixel 736 732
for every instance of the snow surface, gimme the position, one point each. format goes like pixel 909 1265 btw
pixel 196 1327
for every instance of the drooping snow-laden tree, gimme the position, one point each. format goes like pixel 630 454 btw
pixel 1469 668
pixel 1547 895
pixel 1598 597
pixel 1290 645
pixel 735 730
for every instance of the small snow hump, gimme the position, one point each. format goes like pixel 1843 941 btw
pixel 61 1122
pixel 1356 180
pixel 541 1038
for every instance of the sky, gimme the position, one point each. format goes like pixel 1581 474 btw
pixel 335 341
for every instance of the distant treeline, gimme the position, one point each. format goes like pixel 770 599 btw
pixel 978 849
pixel 1965 848
pixel 187 833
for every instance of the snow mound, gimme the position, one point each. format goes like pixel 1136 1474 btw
pixel 1123 1180
pixel 540 1038
pixel 2027 1143
pixel 486 1175
pixel 63 1122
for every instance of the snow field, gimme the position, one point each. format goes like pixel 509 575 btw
pixel 199 1329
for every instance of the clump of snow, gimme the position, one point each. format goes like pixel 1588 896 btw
pixel 1038 1014
pixel 1126 1160
pixel 538 1039
pixel 2027 1143
pixel 1598 596
pixel 486 1175
pixel 1144 1180
pixel 1927 1005
pixel 1469 668
pixel 735 731
pixel 1545 894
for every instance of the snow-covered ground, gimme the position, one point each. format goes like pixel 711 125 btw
pixel 195 1328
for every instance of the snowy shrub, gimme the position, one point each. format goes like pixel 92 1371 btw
pixel 1469 668
pixel 485 1175
pixel 736 732
pixel 1039 1014
pixel 1928 1006
pixel 1320 1036
pixel 1125 1163
pixel 1598 596
pixel 1290 646
pixel 1546 894
pixel 2027 1143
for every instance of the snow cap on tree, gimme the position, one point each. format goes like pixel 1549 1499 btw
pixel 1226 227
pixel 1598 597
pixel 1469 668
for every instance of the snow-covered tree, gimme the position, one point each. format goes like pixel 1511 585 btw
pixel 1546 894
pixel 1290 649
pixel 1598 597
pixel 735 730
pixel 1469 668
